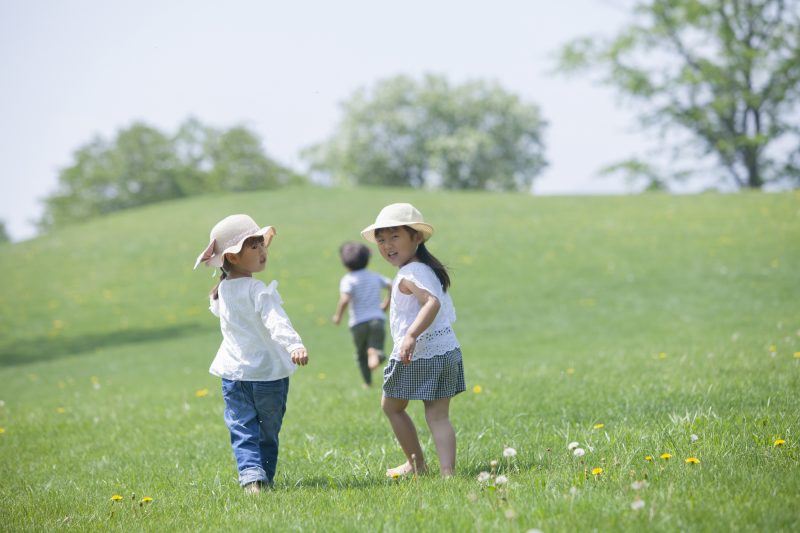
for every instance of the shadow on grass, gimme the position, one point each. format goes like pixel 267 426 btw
pixel 41 349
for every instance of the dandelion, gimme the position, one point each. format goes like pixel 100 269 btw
pixel 201 393
pixel 60 410
pixel 573 491
pixel 572 445
pixel 579 452
pixel 779 442
pixel 493 464
pixel 662 355
pixel 323 375
pixel 597 471
pixel 637 504
pixel 666 456
pixel 773 348
pixel 501 480
pixel 648 457
pixel 147 499
pixel 570 371
pixel 693 437
pixel 692 460
pixel 477 389
pixel 599 426
pixel 2 430
pixel 116 498
pixel 797 355
pixel 639 485
pixel 510 514
pixel 484 477
pixel 395 475
pixel 509 452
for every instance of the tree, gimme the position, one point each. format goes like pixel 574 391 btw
pixel 142 165
pixel 4 238
pixel 722 74
pixel 429 133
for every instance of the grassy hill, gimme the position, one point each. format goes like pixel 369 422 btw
pixel 659 317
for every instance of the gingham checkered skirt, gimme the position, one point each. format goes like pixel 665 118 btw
pixel 441 376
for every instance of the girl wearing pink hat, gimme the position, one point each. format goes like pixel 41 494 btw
pixel 260 349
pixel 425 363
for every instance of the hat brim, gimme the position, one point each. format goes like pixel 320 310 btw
pixel 369 232
pixel 216 259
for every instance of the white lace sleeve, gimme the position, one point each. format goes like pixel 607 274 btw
pixel 268 304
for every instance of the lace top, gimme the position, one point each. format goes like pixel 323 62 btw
pixel 439 338
pixel 257 336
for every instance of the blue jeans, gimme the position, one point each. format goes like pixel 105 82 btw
pixel 254 414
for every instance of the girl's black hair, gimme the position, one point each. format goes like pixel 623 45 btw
pixel 425 256
pixel 226 266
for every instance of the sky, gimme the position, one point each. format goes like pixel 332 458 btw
pixel 75 69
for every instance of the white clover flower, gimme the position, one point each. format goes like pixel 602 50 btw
pixel 639 485
pixel 637 504
pixel 501 480
pixel 693 437
pixel 572 445
pixel 509 452
pixel 578 452
pixel 483 477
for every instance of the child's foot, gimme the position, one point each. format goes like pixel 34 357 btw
pixel 373 361
pixel 404 470
pixel 253 488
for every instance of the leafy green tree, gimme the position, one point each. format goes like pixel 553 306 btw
pixel 724 75
pixel 430 133
pixel 143 165
pixel 3 233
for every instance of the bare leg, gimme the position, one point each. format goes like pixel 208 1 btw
pixel 406 433
pixel 437 414
pixel 373 358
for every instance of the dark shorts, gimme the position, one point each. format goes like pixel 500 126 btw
pixel 369 334
pixel 441 376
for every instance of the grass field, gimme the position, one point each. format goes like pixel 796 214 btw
pixel 636 326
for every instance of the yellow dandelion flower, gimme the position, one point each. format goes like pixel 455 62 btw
pixel 2 430
pixel 60 410
pixel 599 426
pixel 323 375
pixel 666 456
pixel 395 475
pixel 773 348
pixel 116 498
pixel 648 457
pixel 201 393
pixel 597 471
pixel 662 355
pixel 477 389
pixel 779 442
pixel 570 371
pixel 147 499
pixel 692 460
pixel 797 355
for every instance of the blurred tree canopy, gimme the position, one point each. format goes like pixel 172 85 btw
pixel 430 133
pixel 724 74
pixel 142 165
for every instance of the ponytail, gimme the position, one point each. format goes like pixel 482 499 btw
pixel 438 268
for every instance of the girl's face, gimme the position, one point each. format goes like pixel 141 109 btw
pixel 398 245
pixel 252 258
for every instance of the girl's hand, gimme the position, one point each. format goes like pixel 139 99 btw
pixel 300 357
pixel 407 348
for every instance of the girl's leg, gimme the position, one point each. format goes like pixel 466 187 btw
pixel 437 414
pixel 270 399
pixel 406 433
pixel 241 418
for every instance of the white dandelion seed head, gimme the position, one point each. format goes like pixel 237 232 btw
pixel 534 530
pixel 693 437
pixel 509 452
pixel 501 480
pixel 637 504
pixel 572 445
pixel 510 514
pixel 578 452
pixel 639 485
pixel 493 463
pixel 483 477
pixel 573 491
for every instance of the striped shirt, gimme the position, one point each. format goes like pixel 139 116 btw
pixel 364 288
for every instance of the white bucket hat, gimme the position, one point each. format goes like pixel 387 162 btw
pixel 228 236
pixel 398 215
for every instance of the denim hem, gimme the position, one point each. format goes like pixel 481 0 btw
pixel 248 475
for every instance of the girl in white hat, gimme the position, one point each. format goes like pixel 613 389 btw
pixel 260 349
pixel 425 363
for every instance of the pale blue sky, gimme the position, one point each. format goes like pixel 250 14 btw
pixel 74 69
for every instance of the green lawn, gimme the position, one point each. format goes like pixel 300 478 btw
pixel 659 317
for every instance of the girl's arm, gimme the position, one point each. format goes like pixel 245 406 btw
pixel 344 299
pixel 427 313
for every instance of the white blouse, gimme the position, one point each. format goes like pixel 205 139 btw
pixel 257 336
pixel 439 338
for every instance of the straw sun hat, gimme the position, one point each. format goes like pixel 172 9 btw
pixel 398 215
pixel 228 236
